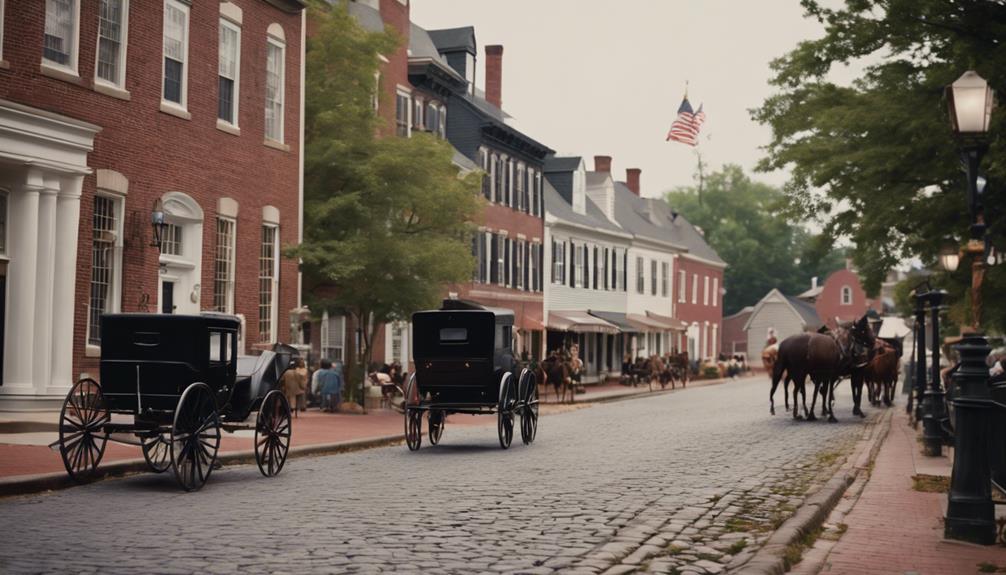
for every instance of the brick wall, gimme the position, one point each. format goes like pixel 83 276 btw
pixel 829 303
pixel 698 312
pixel 160 153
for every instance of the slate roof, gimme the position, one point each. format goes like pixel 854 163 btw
pixel 559 208
pixel 449 39
pixel 685 232
pixel 562 164
pixel 462 161
pixel 630 213
pixel 369 18
pixel 807 311
pixel 422 46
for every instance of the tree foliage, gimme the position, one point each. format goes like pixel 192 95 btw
pixel 744 222
pixel 876 160
pixel 386 220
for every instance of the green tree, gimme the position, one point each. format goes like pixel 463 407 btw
pixel 743 221
pixel 386 220
pixel 875 161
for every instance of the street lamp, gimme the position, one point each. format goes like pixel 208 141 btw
pixel 950 258
pixel 933 408
pixel 158 224
pixel 970 511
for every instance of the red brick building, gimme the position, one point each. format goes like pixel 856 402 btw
pixel 700 299
pixel 112 111
pixel 840 297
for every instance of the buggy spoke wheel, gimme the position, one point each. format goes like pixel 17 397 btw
pixel 157 452
pixel 436 419
pixel 413 415
pixel 82 437
pixel 195 437
pixel 505 410
pixel 529 407
pixel 272 433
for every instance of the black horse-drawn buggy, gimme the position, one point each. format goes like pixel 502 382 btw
pixel 181 380
pixel 465 364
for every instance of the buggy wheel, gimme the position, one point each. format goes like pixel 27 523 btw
pixel 157 452
pixel 413 415
pixel 195 437
pixel 272 433
pixel 529 407
pixel 436 419
pixel 505 410
pixel 82 436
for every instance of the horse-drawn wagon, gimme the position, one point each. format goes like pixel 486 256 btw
pixel 180 380
pixel 465 364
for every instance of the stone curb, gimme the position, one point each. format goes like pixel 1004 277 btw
pixel 769 559
pixel 29 484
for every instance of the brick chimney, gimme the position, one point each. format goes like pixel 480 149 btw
pixel 494 75
pixel 632 179
pixel 602 164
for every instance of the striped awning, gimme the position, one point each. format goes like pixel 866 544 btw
pixel 579 322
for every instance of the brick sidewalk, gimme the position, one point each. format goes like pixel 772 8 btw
pixel 25 454
pixel 895 529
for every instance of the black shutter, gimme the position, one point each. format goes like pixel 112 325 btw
pixel 596 253
pixel 527 192
pixel 625 271
pixel 527 270
pixel 493 257
pixel 572 264
pixel 553 261
pixel 506 262
pixel 586 266
pixel 606 267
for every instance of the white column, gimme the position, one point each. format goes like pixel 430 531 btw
pixel 44 276
pixel 65 283
pixel 20 339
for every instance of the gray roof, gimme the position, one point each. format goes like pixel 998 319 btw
pixel 631 213
pixel 451 39
pixel 462 161
pixel 807 311
pixel 369 18
pixel 421 45
pixel 562 164
pixel 685 232
pixel 558 207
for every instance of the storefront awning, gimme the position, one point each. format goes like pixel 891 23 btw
pixel 646 323
pixel 579 322
pixel 618 319
pixel 670 323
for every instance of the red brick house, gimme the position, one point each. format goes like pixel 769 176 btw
pixel 700 296
pixel 113 110
pixel 840 297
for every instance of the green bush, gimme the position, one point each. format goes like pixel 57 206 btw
pixel 710 372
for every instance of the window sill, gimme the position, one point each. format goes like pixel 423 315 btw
pixel 175 110
pixel 112 91
pixel 277 145
pixel 92 351
pixel 60 73
pixel 229 128
pixel 4 65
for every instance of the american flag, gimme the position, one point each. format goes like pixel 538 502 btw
pixel 685 128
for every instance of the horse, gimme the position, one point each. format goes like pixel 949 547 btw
pixel 677 366
pixel 558 370
pixel 790 365
pixel 881 374
pixel 853 350
pixel 769 356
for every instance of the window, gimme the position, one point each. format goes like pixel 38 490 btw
pixel 396 341
pixel 375 98
pixel 274 88
pixel 705 290
pixel 695 288
pixel 3 220
pixel 640 276
pixel 176 51
pixel 602 271
pixel 171 240
pixel 333 335
pixel 229 69
pixel 500 259
pixel 442 117
pixel 112 41
pixel 417 113
pixel 578 254
pixel 402 114
pixel 498 165
pixel 716 291
pixel 266 283
pixel 223 268
pixel 519 191
pixel 487 173
pixel 521 248
pixel 665 277
pixel 508 185
pixel 558 262
pixel 432 118
pixel 535 267
pixel 60 42
pixel 653 277
pixel 846 295
pixel 104 263
pixel 682 286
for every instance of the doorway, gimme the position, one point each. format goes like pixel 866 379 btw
pixel 167 296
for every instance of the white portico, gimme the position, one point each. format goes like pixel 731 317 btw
pixel 43 161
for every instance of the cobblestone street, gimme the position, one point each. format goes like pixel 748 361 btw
pixel 688 482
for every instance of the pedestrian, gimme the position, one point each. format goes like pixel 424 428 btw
pixel 331 384
pixel 293 382
pixel 316 387
pixel 302 382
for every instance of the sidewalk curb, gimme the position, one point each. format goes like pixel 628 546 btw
pixel 769 559
pixel 31 484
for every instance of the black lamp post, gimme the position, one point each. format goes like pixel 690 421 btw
pixel 158 224
pixel 920 353
pixel 933 407
pixel 970 512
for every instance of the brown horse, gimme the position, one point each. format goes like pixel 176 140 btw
pixel 559 371
pixel 881 374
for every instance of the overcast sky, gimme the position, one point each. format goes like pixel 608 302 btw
pixel 592 77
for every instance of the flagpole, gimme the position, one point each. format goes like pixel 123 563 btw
pixel 702 176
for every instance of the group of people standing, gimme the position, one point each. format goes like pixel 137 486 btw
pixel 326 384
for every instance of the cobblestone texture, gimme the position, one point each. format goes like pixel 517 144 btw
pixel 688 482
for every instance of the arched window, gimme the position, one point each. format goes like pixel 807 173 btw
pixel 846 295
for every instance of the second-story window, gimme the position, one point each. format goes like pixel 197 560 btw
pixel 601 281
pixel 653 277
pixel 558 262
pixel 519 193
pixel 442 121
pixel 417 114
pixel 499 165
pixel 519 264
pixel 60 44
pixel 229 69
pixel 578 254
pixel 640 276
pixel 682 286
pixel 716 291
pixel 695 288
pixel 176 40
pixel 402 127
pixel 486 176
pixel 274 89
pixel 665 278
pixel 112 42
pixel 705 290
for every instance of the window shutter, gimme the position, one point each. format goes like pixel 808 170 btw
pixel 494 256
pixel 527 268
pixel 506 262
pixel 625 269
pixel 596 251
pixel 572 264
pixel 606 266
